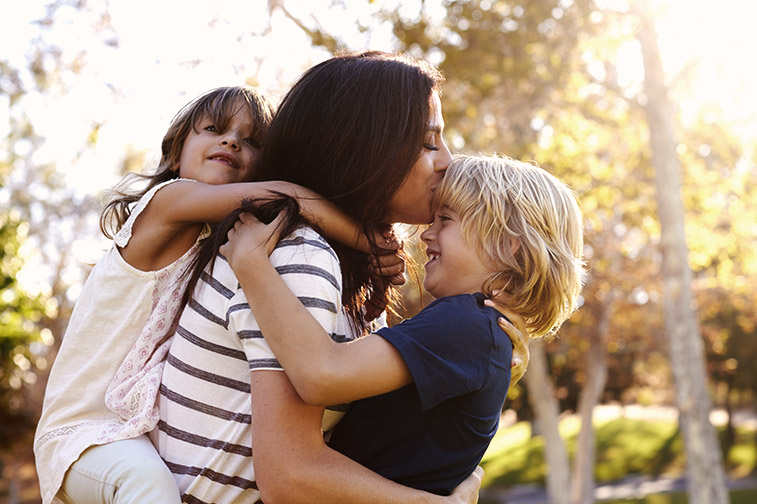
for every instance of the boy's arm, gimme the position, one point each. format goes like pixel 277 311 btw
pixel 323 372
pixel 293 464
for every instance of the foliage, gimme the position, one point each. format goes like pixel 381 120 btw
pixel 20 341
pixel 38 220
pixel 539 80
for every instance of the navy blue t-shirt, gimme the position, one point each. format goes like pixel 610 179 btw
pixel 432 433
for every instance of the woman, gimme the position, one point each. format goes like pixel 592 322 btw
pixel 364 131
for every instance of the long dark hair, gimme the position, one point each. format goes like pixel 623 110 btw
pixel 219 104
pixel 351 129
pixel 264 209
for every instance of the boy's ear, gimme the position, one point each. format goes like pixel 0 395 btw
pixel 514 245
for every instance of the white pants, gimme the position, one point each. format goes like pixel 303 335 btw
pixel 123 472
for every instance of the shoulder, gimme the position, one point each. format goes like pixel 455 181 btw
pixel 304 240
pixel 306 262
pixel 304 246
pixel 459 311
pixel 123 235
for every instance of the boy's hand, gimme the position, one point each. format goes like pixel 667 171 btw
pixel 517 332
pixel 467 491
pixel 250 239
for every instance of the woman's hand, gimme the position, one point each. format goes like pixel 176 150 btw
pixel 467 491
pixel 518 333
pixel 250 239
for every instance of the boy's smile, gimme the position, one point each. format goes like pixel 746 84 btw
pixel 453 265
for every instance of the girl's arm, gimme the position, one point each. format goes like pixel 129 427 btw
pixel 170 224
pixel 188 202
pixel 294 465
pixel 323 372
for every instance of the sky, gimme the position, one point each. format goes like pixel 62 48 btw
pixel 153 56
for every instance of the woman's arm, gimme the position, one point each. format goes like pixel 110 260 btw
pixel 323 372
pixel 294 465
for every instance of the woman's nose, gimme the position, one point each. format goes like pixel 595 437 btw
pixel 443 160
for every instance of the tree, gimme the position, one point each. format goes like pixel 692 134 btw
pixel 706 477
pixel 547 413
pixel 21 342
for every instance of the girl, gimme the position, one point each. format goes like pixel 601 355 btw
pixel 439 379
pixel 365 131
pixel 90 444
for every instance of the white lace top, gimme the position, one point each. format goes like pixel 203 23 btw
pixel 103 385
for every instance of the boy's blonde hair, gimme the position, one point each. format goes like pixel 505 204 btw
pixel 526 225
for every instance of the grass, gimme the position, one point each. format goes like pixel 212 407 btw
pixel 737 497
pixel 624 447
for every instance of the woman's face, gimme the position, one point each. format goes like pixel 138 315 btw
pixel 411 203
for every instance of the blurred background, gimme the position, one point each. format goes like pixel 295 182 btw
pixel 646 108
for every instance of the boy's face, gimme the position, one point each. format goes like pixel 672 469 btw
pixel 220 157
pixel 453 265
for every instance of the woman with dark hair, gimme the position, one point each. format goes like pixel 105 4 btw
pixel 364 131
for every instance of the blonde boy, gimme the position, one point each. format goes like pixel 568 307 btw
pixel 429 391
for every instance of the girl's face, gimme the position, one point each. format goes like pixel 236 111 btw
pixel 220 157
pixel 453 265
pixel 411 203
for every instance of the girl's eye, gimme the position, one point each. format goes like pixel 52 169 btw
pixel 211 128
pixel 430 147
pixel 251 141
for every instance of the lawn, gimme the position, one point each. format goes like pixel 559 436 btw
pixel 625 447
pixel 737 497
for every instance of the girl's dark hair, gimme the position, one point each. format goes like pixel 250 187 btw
pixel 220 105
pixel 351 129
pixel 265 210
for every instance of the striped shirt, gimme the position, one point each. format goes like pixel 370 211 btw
pixel 205 433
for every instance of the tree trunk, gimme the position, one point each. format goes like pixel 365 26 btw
pixel 704 463
pixel 542 398
pixel 582 489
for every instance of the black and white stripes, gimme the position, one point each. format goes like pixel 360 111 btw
pixel 205 433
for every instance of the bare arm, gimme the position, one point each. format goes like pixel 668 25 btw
pixel 294 465
pixel 323 372
pixel 197 202
pixel 172 221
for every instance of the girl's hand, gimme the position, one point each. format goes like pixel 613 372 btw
pixel 467 491
pixel 387 270
pixel 250 239
pixel 390 264
pixel 518 334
